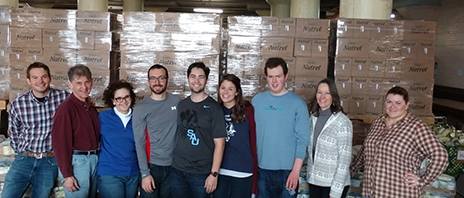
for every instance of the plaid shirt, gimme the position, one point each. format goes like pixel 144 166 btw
pixel 30 121
pixel 388 154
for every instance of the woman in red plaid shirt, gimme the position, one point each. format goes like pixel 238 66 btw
pixel 395 146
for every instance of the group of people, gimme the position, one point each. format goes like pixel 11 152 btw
pixel 166 146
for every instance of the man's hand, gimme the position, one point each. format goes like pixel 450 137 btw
pixel 148 184
pixel 211 184
pixel 292 180
pixel 70 184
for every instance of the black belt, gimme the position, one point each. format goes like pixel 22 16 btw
pixel 80 152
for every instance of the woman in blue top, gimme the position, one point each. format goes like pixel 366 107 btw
pixel 117 170
pixel 238 172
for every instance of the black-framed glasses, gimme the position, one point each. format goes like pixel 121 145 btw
pixel 120 99
pixel 161 78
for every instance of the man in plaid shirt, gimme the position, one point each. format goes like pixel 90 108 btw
pixel 30 123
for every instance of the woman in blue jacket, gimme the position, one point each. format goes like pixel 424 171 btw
pixel 117 170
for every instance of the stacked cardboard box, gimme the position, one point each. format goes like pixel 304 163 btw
pixel 374 55
pixel 303 43
pixel 60 39
pixel 4 57
pixel 174 40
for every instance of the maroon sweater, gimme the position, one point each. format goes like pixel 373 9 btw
pixel 250 113
pixel 75 127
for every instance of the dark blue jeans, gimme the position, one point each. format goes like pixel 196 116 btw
pixel 271 184
pixel 25 171
pixel 188 185
pixel 233 187
pixel 161 176
pixel 110 186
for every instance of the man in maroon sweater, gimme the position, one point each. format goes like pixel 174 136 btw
pixel 75 136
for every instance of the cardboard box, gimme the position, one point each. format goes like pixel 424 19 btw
pixel 27 17
pixel 409 49
pixel 4 35
pixel 380 29
pixel 85 40
pixel 362 28
pixel 391 82
pixel 419 30
pixel 25 56
pixel 360 86
pixel 277 47
pixel 377 68
pixel 4 55
pixel 137 60
pixel 320 48
pixel 352 48
pixel 345 103
pixel 60 76
pixel 287 27
pixel 302 47
pixel 312 28
pixel 5 17
pixel 345 28
pixel 311 67
pixel 358 105
pixel 291 64
pixel 60 57
pixel 360 67
pixel 60 19
pixel 244 45
pixel 343 85
pixel 93 21
pixel 393 68
pixel 25 37
pixel 103 41
pixel 426 50
pixel 417 69
pixel 376 86
pixel 306 87
pixel 59 39
pixel 384 49
pixel 92 58
pixel 421 106
pixel 423 87
pixel 374 105
pixel 342 66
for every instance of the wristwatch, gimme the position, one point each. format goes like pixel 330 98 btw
pixel 214 174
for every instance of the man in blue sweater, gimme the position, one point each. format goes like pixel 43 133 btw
pixel 282 132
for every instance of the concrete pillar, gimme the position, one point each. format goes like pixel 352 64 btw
pixel 42 5
pixel 155 9
pixel 12 3
pixel 280 8
pixel 305 9
pixel 133 5
pixel 366 9
pixel 92 5
pixel 263 12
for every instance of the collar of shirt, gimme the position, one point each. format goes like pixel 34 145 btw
pixel 85 104
pixel 34 99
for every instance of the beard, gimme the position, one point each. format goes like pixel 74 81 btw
pixel 153 90
pixel 197 91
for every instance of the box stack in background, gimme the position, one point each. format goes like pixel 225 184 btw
pixel 60 39
pixel 374 55
pixel 4 56
pixel 174 40
pixel 303 43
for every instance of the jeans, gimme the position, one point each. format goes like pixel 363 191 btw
pixel 271 184
pixel 324 192
pixel 85 172
pixel 110 186
pixel 163 186
pixel 188 185
pixel 25 171
pixel 233 187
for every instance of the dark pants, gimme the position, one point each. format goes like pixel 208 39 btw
pixel 161 176
pixel 188 185
pixel 233 187
pixel 323 192
pixel 272 184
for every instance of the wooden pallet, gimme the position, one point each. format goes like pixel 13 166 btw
pixel 429 120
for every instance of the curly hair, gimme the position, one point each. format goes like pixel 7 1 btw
pixel 108 94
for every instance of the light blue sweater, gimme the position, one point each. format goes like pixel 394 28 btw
pixel 282 130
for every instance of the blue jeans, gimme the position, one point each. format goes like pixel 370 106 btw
pixel 233 187
pixel 110 186
pixel 163 186
pixel 271 184
pixel 25 171
pixel 188 185
pixel 85 172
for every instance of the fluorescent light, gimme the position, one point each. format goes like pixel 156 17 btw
pixel 392 15
pixel 208 10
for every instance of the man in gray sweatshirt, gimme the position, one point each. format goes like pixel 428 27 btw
pixel 155 124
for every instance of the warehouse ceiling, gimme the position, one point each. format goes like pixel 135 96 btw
pixel 230 7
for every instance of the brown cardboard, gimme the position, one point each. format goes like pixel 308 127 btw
pixel 345 28
pixel 270 27
pixel 312 28
pixel 343 85
pixel 93 21
pixel 409 49
pixel 358 105
pixel 360 67
pixel 305 87
pixel 362 28
pixel 376 86
pixel 397 30
pixel 4 35
pixel 420 88
pixel 302 47
pixel 342 66
pixel 384 48
pixel 287 27
pixel 85 40
pixel 391 82
pixel 102 41
pixel 59 38
pixel 174 61
pixel 24 56
pixel 137 60
pixel 277 47
pixel 360 86
pixel 96 59
pixel 426 50
pixel 352 48
pixel 59 77
pixel 345 103
pixel 320 48
pixel 421 106
pixel 25 37
pixel 60 57
pixel 380 29
pixel 377 68
pixel 27 17
pixel 59 19
pixel 417 69
pixel 244 45
pixel 419 30
pixel 4 55
pixel 393 68
pixel 5 16
pixel 311 67
pixel 374 105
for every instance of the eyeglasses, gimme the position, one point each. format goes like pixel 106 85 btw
pixel 161 78
pixel 120 99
